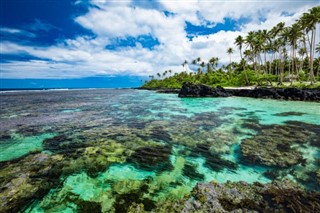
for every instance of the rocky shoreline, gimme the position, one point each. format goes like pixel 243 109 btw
pixel 200 90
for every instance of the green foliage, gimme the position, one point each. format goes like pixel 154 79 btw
pixel 226 79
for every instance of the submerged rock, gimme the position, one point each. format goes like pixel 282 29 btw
pixel 152 158
pixel 158 133
pixel 277 145
pixel 213 161
pixel 190 170
pixel 284 114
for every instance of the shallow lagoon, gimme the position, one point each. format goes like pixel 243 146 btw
pixel 112 148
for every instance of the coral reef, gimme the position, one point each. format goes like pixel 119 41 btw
pixel 28 178
pixel 273 145
pixel 284 196
pixel 129 151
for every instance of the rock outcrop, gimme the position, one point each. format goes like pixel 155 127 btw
pixel 199 90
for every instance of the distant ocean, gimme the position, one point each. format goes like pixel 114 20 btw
pixel 75 83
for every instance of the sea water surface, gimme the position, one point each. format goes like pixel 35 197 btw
pixel 62 151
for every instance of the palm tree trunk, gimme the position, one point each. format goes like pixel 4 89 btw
pixel 294 63
pixel 312 80
pixel 280 69
pixel 305 44
pixel 265 62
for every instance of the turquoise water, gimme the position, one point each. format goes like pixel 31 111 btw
pixel 110 147
pixel 19 146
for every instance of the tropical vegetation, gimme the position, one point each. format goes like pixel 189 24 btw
pixel 267 57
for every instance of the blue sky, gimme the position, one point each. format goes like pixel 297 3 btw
pixel 110 41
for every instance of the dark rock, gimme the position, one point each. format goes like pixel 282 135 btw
pixel 152 158
pixel 213 161
pixel 199 90
pixel 88 206
pixel 62 144
pixel 272 174
pixel 190 171
pixel 5 137
pixel 284 114
pixel 158 133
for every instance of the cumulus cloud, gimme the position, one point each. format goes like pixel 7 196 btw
pixel 108 20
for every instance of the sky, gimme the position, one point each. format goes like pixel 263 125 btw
pixel 42 41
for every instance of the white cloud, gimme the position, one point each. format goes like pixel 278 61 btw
pixel 6 30
pixel 87 56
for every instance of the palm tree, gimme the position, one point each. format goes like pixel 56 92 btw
pixel 262 37
pixel 318 48
pixel 202 65
pixel 250 41
pixel 239 42
pixel 185 63
pixel 213 62
pixel 230 52
pixel 309 22
pixel 302 51
pixel 164 73
pixel 293 35
pixel 275 43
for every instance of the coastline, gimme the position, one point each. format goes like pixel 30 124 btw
pixel 192 90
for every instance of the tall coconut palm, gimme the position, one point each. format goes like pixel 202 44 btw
pixel 202 65
pixel 230 52
pixel 250 41
pixel 184 65
pixel 262 37
pixel 309 22
pixel 302 51
pixel 293 35
pixel 276 30
pixel 239 42
pixel 275 43
pixel 213 62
